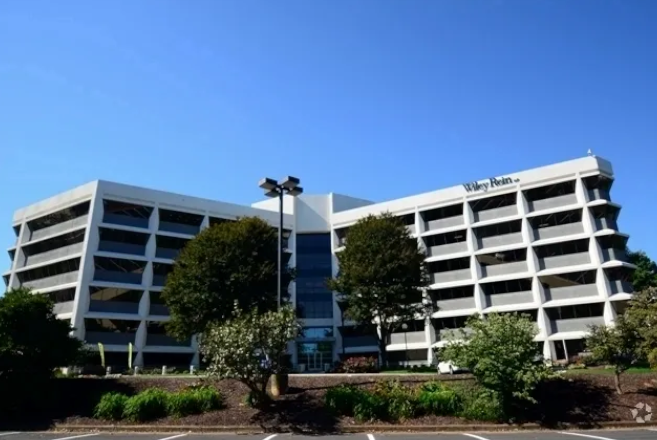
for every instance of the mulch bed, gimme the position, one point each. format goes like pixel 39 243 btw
pixel 582 399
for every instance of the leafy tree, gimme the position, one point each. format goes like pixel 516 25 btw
pixel 382 274
pixel 615 345
pixel 228 262
pixel 645 275
pixel 249 347
pixel 33 343
pixel 501 353
pixel 641 317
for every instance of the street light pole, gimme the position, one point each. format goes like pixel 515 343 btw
pixel 289 186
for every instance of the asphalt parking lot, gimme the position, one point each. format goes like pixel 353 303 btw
pixel 625 434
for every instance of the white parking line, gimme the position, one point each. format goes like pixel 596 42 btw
pixel 8 433
pixel 585 435
pixel 174 436
pixel 478 437
pixel 76 436
pixel 370 437
pixel 270 437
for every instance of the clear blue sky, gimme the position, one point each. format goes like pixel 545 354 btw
pixel 377 99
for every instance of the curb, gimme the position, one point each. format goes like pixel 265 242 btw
pixel 344 429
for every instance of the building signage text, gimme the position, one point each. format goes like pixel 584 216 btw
pixel 491 183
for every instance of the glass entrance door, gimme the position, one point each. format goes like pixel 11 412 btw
pixel 315 355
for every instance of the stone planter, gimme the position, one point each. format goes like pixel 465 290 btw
pixel 279 384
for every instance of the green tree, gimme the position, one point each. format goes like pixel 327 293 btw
pixel 617 346
pixel 382 274
pixel 501 353
pixel 641 317
pixel 33 343
pixel 249 347
pixel 226 263
pixel 645 275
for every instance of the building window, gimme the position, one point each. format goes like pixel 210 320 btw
pixel 313 268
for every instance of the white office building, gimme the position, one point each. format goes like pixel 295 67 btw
pixel 543 242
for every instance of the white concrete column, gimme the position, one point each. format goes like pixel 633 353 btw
pixel 580 191
pixel 154 220
pixel 205 223
pixel 419 224
pixel 147 276
pixel 602 283
pixel 543 322
pixel 19 256
pixel 140 339
pixel 87 266
pixel 430 336
pixel 609 313
pixel 145 304
pixel 479 297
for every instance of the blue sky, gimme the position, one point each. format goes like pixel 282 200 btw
pixel 374 98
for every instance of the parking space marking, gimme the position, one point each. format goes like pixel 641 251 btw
pixel 370 437
pixel 478 437
pixel 585 435
pixel 8 433
pixel 174 436
pixel 76 436
pixel 270 437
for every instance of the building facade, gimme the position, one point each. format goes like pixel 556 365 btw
pixel 544 242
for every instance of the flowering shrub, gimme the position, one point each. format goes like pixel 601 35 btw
pixel 358 365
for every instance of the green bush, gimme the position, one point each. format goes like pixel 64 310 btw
pixel 400 401
pixel 434 398
pixel 183 403
pixel 209 398
pixel 370 407
pixel 482 405
pixel 147 405
pixel 111 406
pixel 342 399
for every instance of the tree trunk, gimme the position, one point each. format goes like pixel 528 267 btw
pixel 383 343
pixel 617 382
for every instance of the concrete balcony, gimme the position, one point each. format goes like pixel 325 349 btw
pixel 54 254
pixel 451 334
pixel 564 260
pixel 159 310
pixel 125 220
pixel 451 275
pixel 614 254
pixel 456 304
pixel 117 277
pixel 418 337
pixel 605 223
pixel 359 341
pixel 63 307
pixel 75 223
pixel 499 240
pixel 552 202
pixel 444 223
pixel 492 214
pixel 159 280
pixel 55 280
pixel 575 324
pixel 171 254
pixel 179 228
pixel 166 341
pixel 503 269
pixel 447 249
pixel 108 338
pixel 114 307
pixel 620 286
pixel 505 299
pixel 599 194
pixel 121 248
pixel 570 292
pixel 558 231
